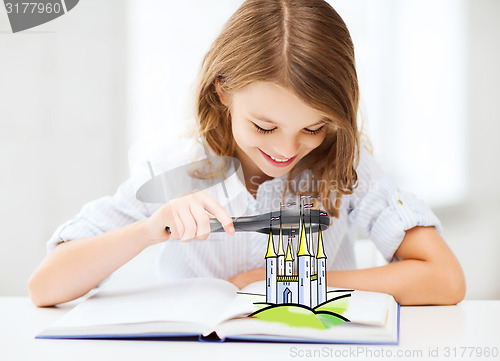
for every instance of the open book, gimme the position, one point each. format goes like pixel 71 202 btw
pixel 213 309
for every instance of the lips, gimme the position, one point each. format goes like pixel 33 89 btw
pixel 278 162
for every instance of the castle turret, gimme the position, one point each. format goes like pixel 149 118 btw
pixel 321 267
pixel 289 260
pixel 310 246
pixel 304 269
pixel 271 268
pixel 281 255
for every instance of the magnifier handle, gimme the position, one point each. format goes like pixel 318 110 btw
pixel 215 226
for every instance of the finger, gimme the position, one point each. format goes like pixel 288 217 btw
pixel 202 221
pixel 212 206
pixel 177 228
pixel 202 237
pixel 188 223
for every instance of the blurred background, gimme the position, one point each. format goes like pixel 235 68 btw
pixel 77 93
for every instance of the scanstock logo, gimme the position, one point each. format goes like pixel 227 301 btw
pixel 26 15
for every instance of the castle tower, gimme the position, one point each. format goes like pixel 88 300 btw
pixel 304 269
pixel 321 267
pixel 271 268
pixel 281 255
pixel 310 246
pixel 289 260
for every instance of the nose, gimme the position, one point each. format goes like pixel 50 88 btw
pixel 287 147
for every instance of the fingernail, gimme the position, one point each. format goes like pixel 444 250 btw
pixel 231 229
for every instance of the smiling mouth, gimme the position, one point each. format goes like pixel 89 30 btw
pixel 279 162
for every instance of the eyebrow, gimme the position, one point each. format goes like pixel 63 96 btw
pixel 266 120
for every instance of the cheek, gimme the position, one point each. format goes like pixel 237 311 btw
pixel 246 136
pixel 237 131
pixel 314 141
pixel 254 140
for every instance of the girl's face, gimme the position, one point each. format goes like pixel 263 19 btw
pixel 273 129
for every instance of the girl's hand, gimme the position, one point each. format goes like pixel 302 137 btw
pixel 187 218
pixel 244 279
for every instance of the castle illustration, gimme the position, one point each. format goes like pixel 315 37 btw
pixel 302 282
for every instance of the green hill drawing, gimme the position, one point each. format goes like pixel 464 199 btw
pixel 324 316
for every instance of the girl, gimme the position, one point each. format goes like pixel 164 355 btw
pixel 278 90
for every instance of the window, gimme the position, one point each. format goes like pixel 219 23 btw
pixel 412 76
pixel 167 42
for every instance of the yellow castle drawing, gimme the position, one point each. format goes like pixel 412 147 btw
pixel 306 286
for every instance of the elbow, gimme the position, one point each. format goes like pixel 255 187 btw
pixel 45 292
pixel 35 297
pixel 458 292
pixel 452 286
pixel 39 302
pixel 36 292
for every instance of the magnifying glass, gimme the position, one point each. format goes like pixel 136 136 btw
pixel 286 221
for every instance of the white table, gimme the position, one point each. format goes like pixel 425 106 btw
pixel 442 331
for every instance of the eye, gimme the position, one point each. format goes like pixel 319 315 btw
pixel 262 130
pixel 316 131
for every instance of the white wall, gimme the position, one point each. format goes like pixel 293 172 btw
pixel 473 226
pixel 411 63
pixel 430 78
pixel 63 127
pixel 166 47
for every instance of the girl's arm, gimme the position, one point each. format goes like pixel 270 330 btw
pixel 73 268
pixel 427 272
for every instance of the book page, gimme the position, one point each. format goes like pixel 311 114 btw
pixel 255 329
pixel 369 316
pixel 202 301
pixel 369 308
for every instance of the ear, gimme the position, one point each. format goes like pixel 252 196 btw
pixel 223 95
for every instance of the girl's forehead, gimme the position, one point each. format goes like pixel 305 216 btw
pixel 270 102
pixel 265 87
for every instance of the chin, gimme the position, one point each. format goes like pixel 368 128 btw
pixel 276 172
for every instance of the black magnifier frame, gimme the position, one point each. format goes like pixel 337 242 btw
pixel 290 222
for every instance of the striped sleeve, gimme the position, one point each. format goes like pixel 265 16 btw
pixel 381 211
pixel 102 215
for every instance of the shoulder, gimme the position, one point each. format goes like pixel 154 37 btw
pixel 168 151
pixel 148 158
pixel 372 178
pixel 367 166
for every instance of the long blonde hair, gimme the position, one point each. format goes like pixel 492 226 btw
pixel 304 46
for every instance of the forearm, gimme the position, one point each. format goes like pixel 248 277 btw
pixel 73 268
pixel 411 282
